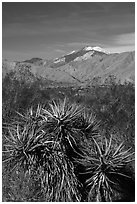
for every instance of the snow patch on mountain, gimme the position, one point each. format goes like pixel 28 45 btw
pixel 96 48
pixel 99 49
pixel 71 52
pixel 57 60
pixel 88 48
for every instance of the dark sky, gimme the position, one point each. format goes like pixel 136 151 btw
pixel 52 29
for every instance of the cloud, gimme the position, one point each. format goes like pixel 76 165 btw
pixel 119 49
pixel 60 51
pixel 125 39
pixel 76 44
pixel 66 26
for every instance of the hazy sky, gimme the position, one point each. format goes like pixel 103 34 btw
pixel 52 29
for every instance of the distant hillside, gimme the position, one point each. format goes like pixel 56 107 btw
pixel 79 67
pixel 33 60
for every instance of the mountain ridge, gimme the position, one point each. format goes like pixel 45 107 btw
pixel 80 66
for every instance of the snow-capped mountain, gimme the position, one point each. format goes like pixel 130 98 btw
pixel 76 67
pixel 79 55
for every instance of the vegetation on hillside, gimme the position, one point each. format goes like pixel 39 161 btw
pixel 68 143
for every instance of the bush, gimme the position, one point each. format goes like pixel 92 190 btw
pixel 105 165
pixel 50 146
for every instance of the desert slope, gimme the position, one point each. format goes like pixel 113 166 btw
pixel 78 66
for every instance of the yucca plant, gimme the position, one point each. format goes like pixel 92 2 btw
pixel 88 124
pixel 32 115
pixel 23 145
pixel 58 182
pixel 105 168
pixel 36 144
pixel 57 145
pixel 61 123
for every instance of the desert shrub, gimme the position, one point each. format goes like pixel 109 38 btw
pixel 106 170
pixel 38 144
pixel 58 151
pixel 66 129
pixel 112 102
pixel 114 106
pixel 19 96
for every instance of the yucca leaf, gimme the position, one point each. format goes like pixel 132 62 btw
pixel 109 146
pixel 98 147
pixel 11 141
pixel 119 148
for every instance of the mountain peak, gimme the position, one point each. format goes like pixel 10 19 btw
pixel 88 48
pixel 78 55
pixel 96 48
